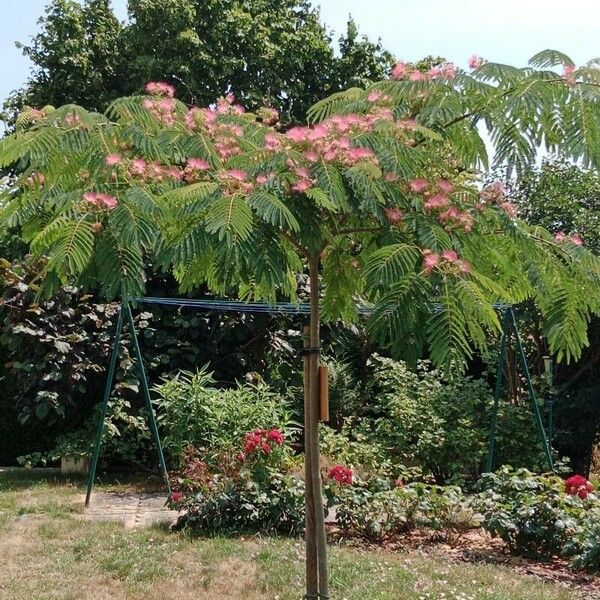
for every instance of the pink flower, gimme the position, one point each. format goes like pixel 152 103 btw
pixel 113 159
pixel 376 95
pixel 434 72
pixel 449 71
pixel 436 201
pixel 109 201
pixel 475 62
pixel 311 155
pixel 418 186
pixel 575 239
pixel 297 134
pixel 445 186
pixel 91 197
pixel 199 164
pixel 272 142
pixel 160 88
pixel 262 179
pixel 343 475
pixel 450 256
pixel 560 236
pixel 360 153
pixel 464 266
pixel 391 177
pixel 399 71
pixel 568 71
pixel 302 185
pixel 416 75
pixel 138 166
pixel 394 215
pixel 269 115
pixel 430 260
pixel 509 208
pixel 236 174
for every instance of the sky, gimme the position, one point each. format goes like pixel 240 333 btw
pixel 508 31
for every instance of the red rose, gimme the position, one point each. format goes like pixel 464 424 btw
pixel 275 436
pixel 578 486
pixel 176 496
pixel 341 474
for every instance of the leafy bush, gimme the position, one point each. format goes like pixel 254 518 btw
pixel 192 411
pixel 376 509
pixel 250 490
pixel 442 426
pixel 584 546
pixel 532 513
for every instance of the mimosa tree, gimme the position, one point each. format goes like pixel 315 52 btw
pixel 376 200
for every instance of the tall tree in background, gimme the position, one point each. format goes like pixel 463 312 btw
pixel 565 199
pixel 273 52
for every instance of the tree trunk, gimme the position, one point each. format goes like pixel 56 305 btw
pixel 312 566
pixel 312 452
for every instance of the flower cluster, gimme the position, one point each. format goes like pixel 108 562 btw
pixel 436 199
pixel 405 71
pixel 343 475
pixel 160 88
pixel 495 193
pixel 563 237
pixel 100 200
pixel 262 440
pixel 476 61
pixel 394 215
pixel 162 109
pixel 72 120
pixel 432 260
pixel 578 485
pixel 568 72
pixel 176 497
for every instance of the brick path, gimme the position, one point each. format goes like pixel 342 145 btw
pixel 131 509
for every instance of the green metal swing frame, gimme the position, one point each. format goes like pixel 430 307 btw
pixel 509 324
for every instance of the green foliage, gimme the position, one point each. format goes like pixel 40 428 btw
pixel 531 513
pixel 192 411
pixel 584 546
pixel 443 426
pixel 254 239
pixel 376 511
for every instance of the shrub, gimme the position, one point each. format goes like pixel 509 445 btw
pixel 192 411
pixel 442 426
pixel 376 509
pixel 584 546
pixel 532 513
pixel 250 490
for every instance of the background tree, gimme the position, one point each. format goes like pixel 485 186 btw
pixel 273 52
pixel 565 199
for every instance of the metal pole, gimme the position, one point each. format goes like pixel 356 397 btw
pixel 146 391
pixel 107 389
pixel 536 408
pixel 497 393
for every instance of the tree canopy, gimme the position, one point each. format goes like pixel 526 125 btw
pixel 378 195
pixel 265 51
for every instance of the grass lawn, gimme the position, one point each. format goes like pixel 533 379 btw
pixel 48 551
